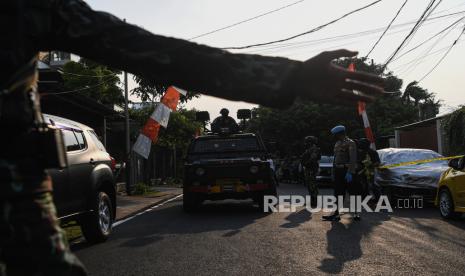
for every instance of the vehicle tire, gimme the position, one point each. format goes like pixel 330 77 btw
pixel 96 226
pixel 446 204
pixel 388 191
pixel 190 202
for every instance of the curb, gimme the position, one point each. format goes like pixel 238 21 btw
pixel 147 207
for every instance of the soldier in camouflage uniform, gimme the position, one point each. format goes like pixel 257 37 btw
pixel 309 161
pixel 224 121
pixel 31 242
pixel 345 168
pixel 368 160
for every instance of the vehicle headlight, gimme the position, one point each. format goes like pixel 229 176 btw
pixel 253 169
pixel 200 171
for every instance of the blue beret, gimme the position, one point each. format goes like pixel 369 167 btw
pixel 338 129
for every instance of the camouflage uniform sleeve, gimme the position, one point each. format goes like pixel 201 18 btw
pixel 106 39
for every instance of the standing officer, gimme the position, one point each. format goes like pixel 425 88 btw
pixel 345 167
pixel 309 161
pixel 224 121
pixel 31 241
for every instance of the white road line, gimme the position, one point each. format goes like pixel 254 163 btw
pixel 145 211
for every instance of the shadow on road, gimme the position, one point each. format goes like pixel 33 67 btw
pixel 430 222
pixel 230 216
pixel 344 241
pixel 296 219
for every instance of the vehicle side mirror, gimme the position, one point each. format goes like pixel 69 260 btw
pixel 454 163
pixel 461 163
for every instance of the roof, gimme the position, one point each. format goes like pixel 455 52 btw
pixel 236 135
pixel 51 81
pixel 423 123
pixel 65 122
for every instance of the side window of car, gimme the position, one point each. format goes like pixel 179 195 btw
pixel 96 140
pixel 81 139
pixel 71 141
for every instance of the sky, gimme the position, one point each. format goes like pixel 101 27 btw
pixel 189 18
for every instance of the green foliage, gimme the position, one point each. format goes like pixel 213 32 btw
pixel 181 127
pixel 170 181
pixel 103 80
pixel 454 127
pixel 289 127
pixel 141 189
pixel 428 108
pixel 149 91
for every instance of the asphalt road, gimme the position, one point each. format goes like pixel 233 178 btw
pixel 234 238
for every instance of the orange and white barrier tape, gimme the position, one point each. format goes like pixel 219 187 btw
pixel 363 112
pixel 159 118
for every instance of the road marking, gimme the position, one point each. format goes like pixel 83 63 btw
pixel 145 211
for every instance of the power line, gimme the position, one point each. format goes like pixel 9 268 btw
pixel 427 40
pixel 423 21
pixel 425 53
pixel 443 57
pixel 245 20
pixel 304 33
pixel 387 28
pixel 76 90
pixel 90 76
pixel 419 59
pixel 410 34
pixel 285 46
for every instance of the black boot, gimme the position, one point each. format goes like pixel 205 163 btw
pixel 313 201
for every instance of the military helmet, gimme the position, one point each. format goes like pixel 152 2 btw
pixel 311 140
pixel 363 143
pixel 224 112
pixel 338 129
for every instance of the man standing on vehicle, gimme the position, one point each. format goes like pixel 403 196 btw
pixel 345 166
pixel 368 160
pixel 225 121
pixel 309 161
pixel 31 241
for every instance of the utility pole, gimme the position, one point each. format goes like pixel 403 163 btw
pixel 127 136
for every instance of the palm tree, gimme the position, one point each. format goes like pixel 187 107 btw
pixel 422 99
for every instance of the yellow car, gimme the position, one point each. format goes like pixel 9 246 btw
pixel 451 189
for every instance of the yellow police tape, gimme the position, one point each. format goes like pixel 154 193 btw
pixel 418 162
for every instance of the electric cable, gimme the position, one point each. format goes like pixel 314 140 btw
pixel 387 28
pixel 245 20
pixel 443 57
pixel 410 34
pixel 304 33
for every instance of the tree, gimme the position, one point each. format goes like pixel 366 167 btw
pixel 182 126
pixel 102 81
pixel 149 91
pixel 308 118
pixel 454 130
pixel 423 101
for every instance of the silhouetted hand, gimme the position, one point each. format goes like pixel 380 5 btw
pixel 320 80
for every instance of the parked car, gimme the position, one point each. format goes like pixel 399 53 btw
pixel 326 169
pixel 85 190
pixel 227 167
pixel 416 180
pixel 451 191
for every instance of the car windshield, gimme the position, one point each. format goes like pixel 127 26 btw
pixel 407 156
pixel 226 145
pixel 326 159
